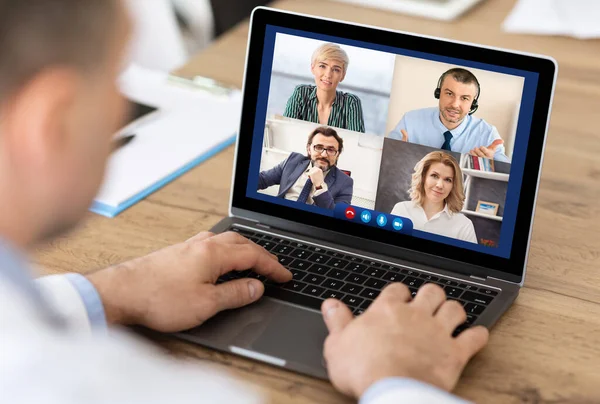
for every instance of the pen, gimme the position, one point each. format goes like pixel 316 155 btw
pixel 122 141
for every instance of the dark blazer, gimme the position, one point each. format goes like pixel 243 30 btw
pixel 285 174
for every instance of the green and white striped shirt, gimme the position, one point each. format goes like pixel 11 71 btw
pixel 346 111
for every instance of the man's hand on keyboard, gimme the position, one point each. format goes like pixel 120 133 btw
pixel 399 337
pixel 174 289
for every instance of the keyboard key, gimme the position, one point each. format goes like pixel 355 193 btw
pixel 285 260
pixel 413 292
pixel 338 263
pixel 319 258
pixel 413 282
pixel 356 268
pixel 296 286
pixel 292 297
pixel 282 250
pixel 282 241
pixel 448 282
pixel 358 312
pixel 352 301
pixel 476 309
pixel 332 284
pixel 319 250
pixel 300 253
pixel 470 319
pixel 375 283
pixel 299 264
pixel 453 292
pixel 377 273
pixel 373 264
pixel 429 277
pixel 314 279
pixel 460 329
pixel 488 292
pixel 388 267
pixel 338 274
pixel 462 285
pixel 318 269
pixel 370 293
pixel 297 274
pixel 267 245
pixel 336 254
pixel 300 246
pixel 352 289
pixel 365 305
pixel 410 272
pixel 332 294
pixel 477 298
pixel 358 279
pixel 393 277
pixel 471 288
pixel 267 237
pixel 314 290
pixel 356 260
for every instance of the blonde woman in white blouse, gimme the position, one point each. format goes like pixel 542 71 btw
pixel 437 198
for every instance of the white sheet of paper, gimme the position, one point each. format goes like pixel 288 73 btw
pixel 577 18
pixel 166 144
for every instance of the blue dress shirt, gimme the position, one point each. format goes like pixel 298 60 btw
pixel 424 127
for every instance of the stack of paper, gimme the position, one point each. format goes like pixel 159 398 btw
pixel 576 18
pixel 191 126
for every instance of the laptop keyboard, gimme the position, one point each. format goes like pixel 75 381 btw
pixel 319 274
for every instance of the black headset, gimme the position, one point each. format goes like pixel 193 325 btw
pixel 438 90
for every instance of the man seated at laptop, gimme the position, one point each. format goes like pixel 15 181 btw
pixel 59 107
pixel 313 179
pixel 451 125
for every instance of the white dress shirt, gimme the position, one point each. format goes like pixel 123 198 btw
pixel 294 192
pixel 55 347
pixel 444 223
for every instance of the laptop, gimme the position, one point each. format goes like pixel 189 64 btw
pixel 367 229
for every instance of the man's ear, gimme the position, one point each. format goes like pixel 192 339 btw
pixel 36 117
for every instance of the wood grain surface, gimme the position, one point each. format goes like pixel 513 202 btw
pixel 546 349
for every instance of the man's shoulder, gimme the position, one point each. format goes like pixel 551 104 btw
pixel 296 158
pixel 480 124
pixel 342 177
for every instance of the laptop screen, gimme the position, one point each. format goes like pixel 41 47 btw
pixel 419 148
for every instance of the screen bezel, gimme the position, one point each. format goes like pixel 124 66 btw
pixel 433 253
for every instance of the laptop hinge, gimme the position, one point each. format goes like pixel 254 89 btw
pixel 478 278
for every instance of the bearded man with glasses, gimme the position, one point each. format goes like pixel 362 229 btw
pixel 313 178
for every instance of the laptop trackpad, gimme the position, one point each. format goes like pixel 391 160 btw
pixel 272 328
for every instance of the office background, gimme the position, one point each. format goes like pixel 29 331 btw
pixel 415 81
pixel 369 77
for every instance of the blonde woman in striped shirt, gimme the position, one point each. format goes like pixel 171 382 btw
pixel 322 103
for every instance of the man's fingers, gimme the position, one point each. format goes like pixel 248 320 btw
pixel 495 144
pixel 231 237
pixel 404 135
pixel 239 257
pixel 429 298
pixel 472 340
pixel 238 293
pixel 395 291
pixel 336 314
pixel 451 314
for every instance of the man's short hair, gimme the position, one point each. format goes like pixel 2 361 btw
pixel 37 34
pixel 462 76
pixel 327 132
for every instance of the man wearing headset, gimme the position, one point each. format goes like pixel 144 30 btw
pixel 451 125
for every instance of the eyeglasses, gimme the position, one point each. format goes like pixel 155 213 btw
pixel 318 148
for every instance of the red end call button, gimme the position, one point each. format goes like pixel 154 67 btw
pixel 350 213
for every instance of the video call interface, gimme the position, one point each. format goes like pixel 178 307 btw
pixel 421 146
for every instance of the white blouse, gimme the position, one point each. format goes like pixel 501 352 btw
pixel 444 223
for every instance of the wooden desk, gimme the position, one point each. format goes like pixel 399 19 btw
pixel 547 346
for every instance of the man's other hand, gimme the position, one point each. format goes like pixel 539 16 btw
pixel 174 289
pixel 487 152
pixel 399 337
